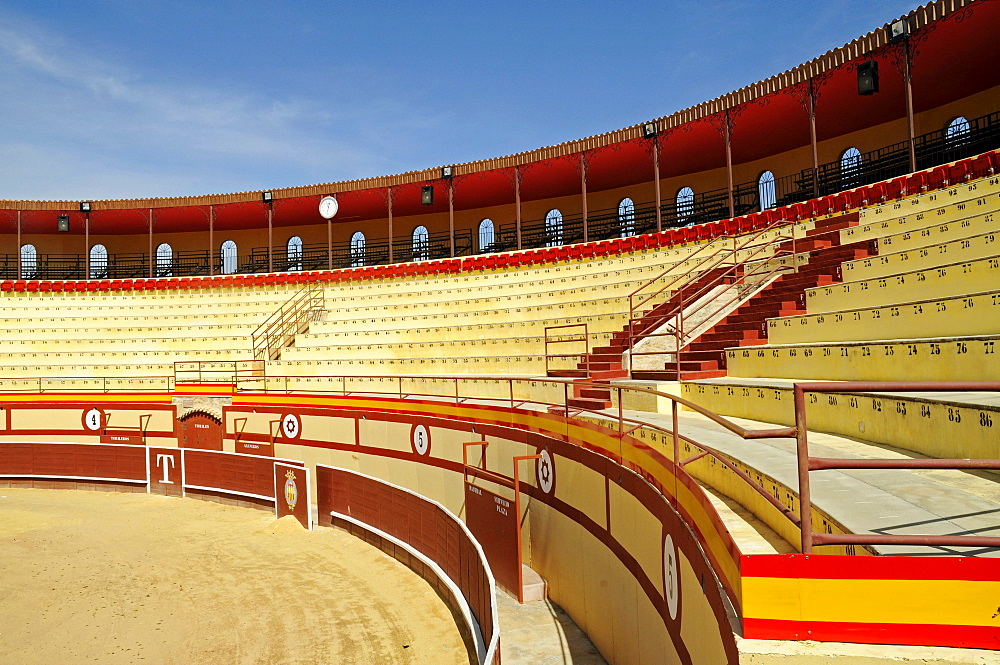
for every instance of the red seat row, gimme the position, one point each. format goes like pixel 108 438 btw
pixel 947 175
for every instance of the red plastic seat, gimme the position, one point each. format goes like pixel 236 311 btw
pixel 915 183
pixel 20 285
pixel 960 172
pixel 936 178
pixel 32 286
pixel 983 165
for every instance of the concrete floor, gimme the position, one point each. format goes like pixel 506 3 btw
pixel 541 633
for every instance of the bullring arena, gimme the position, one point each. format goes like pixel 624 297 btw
pixel 722 386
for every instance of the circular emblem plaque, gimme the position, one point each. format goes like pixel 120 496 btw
pixel 291 426
pixel 545 470
pixel 671 581
pixel 93 419
pixel 420 440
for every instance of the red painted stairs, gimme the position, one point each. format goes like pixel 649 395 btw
pixel 705 357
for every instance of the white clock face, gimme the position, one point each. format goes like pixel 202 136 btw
pixel 328 207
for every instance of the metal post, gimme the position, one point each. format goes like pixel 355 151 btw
pixel 86 246
pixel 729 165
pixel 802 445
pixel 270 237
pixel 211 239
pixel 907 79
pixel 389 206
pixel 151 258
pixel 656 182
pixel 19 268
pixel 583 188
pixel 812 139
pixel 517 203
pixel 451 218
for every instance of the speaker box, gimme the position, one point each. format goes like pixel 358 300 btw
pixel 63 224
pixel 427 195
pixel 868 78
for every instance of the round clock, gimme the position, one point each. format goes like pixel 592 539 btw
pixel 328 207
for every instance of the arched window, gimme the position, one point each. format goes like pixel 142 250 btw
pixel 486 235
pixel 765 190
pixel 29 262
pixel 957 132
pixel 164 260
pixel 685 204
pixel 98 262
pixel 294 254
pixel 357 249
pixel 553 228
pixel 230 257
pixel 850 163
pixel 421 244
pixel 626 217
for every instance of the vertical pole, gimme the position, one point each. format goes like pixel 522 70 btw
pixel 656 182
pixel 729 165
pixel 151 258
pixel 19 268
pixel 86 246
pixel 517 203
pixel 270 237
pixel 583 189
pixel 677 446
pixel 451 218
pixel 211 239
pixel 802 445
pixel 909 105
pixel 389 200
pixel 329 243
pixel 812 139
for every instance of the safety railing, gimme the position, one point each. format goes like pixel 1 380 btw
pixel 518 396
pixel 292 318
pixel 807 463
pixel 217 371
pixel 571 335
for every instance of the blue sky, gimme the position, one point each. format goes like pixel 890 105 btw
pixel 130 98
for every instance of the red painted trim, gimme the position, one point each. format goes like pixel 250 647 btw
pixel 975 637
pixel 842 567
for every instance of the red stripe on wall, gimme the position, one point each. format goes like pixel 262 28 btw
pixel 975 637
pixel 842 567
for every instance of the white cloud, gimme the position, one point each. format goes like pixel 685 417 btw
pixel 78 126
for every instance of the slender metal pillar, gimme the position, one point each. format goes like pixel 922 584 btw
pixel 729 164
pixel 152 263
pixel 86 246
pixel 211 239
pixel 908 80
pixel 19 268
pixel 517 203
pixel 389 202
pixel 451 217
pixel 270 237
pixel 656 182
pixel 583 189
pixel 812 138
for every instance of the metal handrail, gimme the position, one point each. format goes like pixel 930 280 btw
pixel 569 338
pixel 280 328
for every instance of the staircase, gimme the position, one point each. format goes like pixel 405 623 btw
pixel 705 357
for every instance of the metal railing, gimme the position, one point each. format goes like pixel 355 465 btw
pixel 217 371
pixel 571 335
pixel 292 318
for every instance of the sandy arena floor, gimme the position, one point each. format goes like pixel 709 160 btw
pixel 95 577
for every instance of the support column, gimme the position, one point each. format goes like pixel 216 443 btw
pixel 517 203
pixel 152 259
pixel 729 164
pixel 812 138
pixel 19 268
pixel 211 239
pixel 656 182
pixel 86 245
pixel 583 188
pixel 451 218
pixel 270 237
pixel 389 201
pixel 329 243
pixel 907 79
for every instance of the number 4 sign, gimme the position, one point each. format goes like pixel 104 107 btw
pixel 93 419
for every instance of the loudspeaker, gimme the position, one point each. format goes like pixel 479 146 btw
pixel 63 224
pixel 868 78
pixel 427 195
